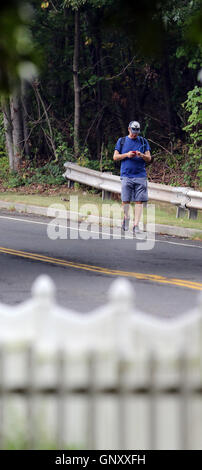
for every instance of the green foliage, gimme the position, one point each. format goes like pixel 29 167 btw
pixel 9 178
pixel 14 180
pixel 83 158
pixel 107 165
pixel 4 168
pixel 32 173
pixel 200 174
pixel 50 173
pixel 62 150
pixel 173 161
pixel 118 82
pixel 76 4
pixel 193 106
pixel 112 84
pixel 17 54
pixel 104 164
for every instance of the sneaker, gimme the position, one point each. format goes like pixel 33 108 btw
pixel 125 224
pixel 138 233
pixel 136 230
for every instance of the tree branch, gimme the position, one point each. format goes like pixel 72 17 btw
pixel 122 71
pixel 156 143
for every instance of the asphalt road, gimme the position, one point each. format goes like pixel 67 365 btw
pixel 167 278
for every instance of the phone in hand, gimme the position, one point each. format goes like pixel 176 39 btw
pixel 134 151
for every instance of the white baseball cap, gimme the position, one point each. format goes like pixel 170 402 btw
pixel 134 126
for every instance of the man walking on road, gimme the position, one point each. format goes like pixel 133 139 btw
pixel 134 152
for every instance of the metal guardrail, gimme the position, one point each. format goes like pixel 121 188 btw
pixel 183 198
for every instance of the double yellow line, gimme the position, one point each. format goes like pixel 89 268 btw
pixel 99 269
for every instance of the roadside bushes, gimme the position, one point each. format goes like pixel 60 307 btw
pixel 193 106
pixel 50 173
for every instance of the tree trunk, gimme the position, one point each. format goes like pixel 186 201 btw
pixel 76 84
pixel 8 130
pixel 167 97
pixel 24 86
pixel 18 137
pixel 123 125
pixel 167 86
pixel 98 50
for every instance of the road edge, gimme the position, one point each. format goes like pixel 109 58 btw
pixel 67 215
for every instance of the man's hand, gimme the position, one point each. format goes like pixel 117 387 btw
pixel 146 156
pixel 132 154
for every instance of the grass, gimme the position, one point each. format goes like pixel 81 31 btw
pixel 164 213
pixel 20 443
pixel 197 236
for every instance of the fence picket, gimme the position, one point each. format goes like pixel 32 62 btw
pixel 121 395
pixel 2 397
pixel 152 401
pixel 30 397
pixel 118 331
pixel 184 401
pixel 92 396
pixel 61 394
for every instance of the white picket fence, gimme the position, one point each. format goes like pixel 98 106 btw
pixel 115 378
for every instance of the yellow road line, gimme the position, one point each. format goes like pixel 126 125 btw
pixel 99 269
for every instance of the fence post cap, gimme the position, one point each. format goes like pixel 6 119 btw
pixel 121 290
pixel 43 287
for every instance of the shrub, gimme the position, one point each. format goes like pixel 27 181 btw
pixel 193 128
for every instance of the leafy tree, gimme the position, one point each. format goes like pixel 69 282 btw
pixel 76 6
pixel 102 64
pixel 193 106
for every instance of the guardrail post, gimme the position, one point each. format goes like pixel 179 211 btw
pixel 106 194
pixel 70 184
pixel 181 211
pixel 192 214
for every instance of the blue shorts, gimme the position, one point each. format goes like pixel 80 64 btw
pixel 134 189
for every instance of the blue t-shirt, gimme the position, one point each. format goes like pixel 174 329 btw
pixel 133 167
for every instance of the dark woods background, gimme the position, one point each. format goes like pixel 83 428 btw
pixel 101 64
